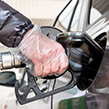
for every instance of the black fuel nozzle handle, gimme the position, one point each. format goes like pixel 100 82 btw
pixel 39 94
pixel 79 57
pixel 32 80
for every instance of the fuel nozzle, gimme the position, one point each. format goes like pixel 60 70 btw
pixel 8 61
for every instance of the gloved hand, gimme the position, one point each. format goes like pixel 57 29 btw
pixel 47 55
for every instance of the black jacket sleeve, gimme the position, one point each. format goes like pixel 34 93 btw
pixel 13 25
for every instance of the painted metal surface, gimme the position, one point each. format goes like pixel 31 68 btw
pixel 101 82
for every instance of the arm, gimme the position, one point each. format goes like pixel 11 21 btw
pixel 17 31
pixel 13 25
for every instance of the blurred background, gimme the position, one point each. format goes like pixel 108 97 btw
pixel 41 12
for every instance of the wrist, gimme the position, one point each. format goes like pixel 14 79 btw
pixel 27 33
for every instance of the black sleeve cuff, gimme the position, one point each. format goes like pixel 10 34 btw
pixel 13 25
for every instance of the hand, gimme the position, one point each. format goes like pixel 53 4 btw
pixel 48 56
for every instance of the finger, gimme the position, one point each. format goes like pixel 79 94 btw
pixel 46 70
pixel 54 63
pixel 38 70
pixel 63 64
pixel 54 66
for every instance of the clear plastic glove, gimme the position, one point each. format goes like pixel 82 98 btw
pixel 47 55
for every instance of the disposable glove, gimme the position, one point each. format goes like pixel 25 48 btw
pixel 48 56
